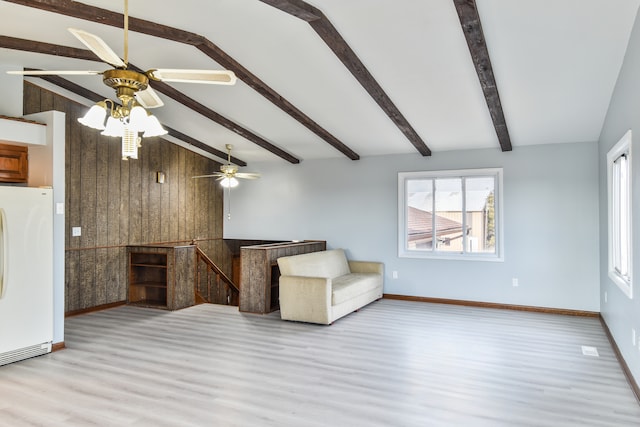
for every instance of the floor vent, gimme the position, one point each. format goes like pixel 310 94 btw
pixel 24 353
pixel 590 351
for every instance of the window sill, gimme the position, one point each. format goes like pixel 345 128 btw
pixel 450 256
pixel 623 284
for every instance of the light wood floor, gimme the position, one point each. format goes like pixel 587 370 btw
pixel 394 363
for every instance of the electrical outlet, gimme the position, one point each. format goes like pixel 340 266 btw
pixel 76 231
pixel 515 282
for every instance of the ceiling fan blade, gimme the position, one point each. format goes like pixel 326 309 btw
pixel 99 47
pixel 247 175
pixel 148 98
pixel 54 72
pixel 213 175
pixel 221 77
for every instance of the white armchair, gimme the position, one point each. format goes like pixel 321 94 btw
pixel 321 287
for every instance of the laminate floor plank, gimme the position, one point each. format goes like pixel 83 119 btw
pixel 393 363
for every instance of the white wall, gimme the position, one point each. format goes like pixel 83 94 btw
pixel 551 221
pixel 621 313
pixel 11 89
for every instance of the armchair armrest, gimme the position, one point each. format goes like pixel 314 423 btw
pixel 305 299
pixel 366 267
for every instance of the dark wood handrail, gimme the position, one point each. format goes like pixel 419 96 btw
pixel 210 264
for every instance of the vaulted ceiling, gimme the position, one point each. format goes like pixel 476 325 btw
pixel 332 78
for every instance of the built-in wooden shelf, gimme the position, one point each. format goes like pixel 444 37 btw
pixel 161 276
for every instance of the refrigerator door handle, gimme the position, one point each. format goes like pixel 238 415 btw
pixel 3 251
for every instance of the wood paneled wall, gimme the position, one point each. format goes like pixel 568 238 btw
pixel 118 202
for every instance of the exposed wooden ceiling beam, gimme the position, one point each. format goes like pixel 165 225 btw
pixel 472 28
pixel 194 105
pixel 330 35
pixel 107 17
pixel 201 145
pixel 96 97
pixel 48 48
pixel 298 10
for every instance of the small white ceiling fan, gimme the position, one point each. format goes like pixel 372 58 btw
pixel 229 172
pixel 228 177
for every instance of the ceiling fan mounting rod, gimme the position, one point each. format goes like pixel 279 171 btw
pixel 126 33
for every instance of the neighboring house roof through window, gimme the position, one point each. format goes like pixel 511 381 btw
pixel 420 225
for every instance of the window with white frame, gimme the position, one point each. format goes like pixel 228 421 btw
pixel 453 214
pixel 619 206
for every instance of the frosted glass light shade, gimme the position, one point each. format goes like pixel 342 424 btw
pixel 153 127
pixel 138 118
pixel 95 116
pixel 229 182
pixel 115 127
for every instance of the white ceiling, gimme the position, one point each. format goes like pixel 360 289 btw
pixel 555 62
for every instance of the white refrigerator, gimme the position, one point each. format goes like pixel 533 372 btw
pixel 26 272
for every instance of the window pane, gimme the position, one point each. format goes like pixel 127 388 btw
pixel 625 230
pixel 452 214
pixel 480 205
pixel 448 215
pixel 419 214
pixel 615 201
pixel 619 209
pixel 621 221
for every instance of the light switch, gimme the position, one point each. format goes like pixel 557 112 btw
pixel 59 208
pixel 76 231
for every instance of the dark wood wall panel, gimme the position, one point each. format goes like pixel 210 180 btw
pixel 119 203
pixel 71 293
pixel 154 199
pixel 173 171
pixel 113 195
pixel 135 202
pixel 46 101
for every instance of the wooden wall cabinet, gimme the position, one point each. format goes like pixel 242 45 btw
pixel 259 272
pixel 162 276
pixel 14 163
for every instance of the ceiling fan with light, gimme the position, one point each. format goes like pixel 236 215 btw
pixel 228 177
pixel 229 172
pixel 132 89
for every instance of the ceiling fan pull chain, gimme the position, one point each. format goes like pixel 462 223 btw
pixel 228 203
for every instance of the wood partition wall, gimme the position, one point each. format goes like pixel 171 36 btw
pixel 118 203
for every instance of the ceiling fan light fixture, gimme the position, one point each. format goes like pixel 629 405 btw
pixel 95 116
pixel 229 182
pixel 125 122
